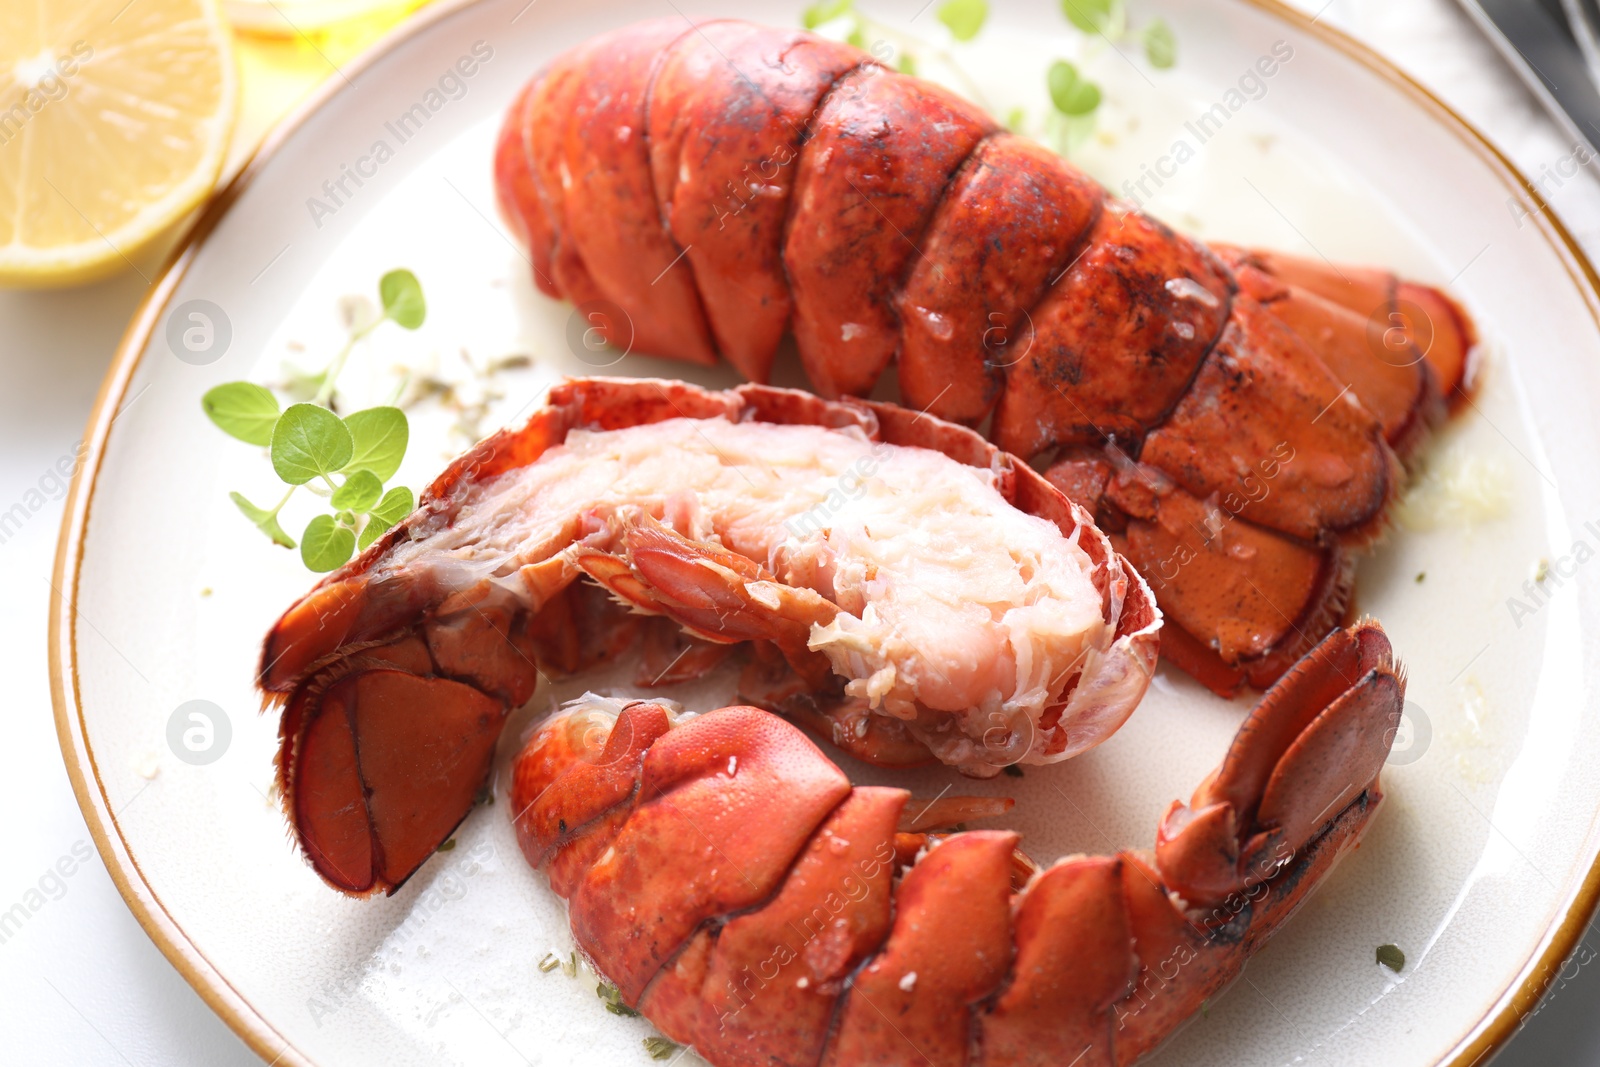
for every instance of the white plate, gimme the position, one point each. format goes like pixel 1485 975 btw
pixel 1480 867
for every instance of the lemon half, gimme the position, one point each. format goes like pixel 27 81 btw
pixel 115 117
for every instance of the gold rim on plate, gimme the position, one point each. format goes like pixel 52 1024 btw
pixel 1480 1041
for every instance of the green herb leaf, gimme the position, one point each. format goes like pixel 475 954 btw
pixel 242 409
pixel 1015 118
pixel 550 962
pixel 1391 957
pixel 857 38
pixel 660 1048
pixel 825 11
pixel 326 545
pixel 1090 16
pixel 396 504
pixel 907 64
pixel 1160 46
pixel 402 299
pixel 359 492
pixel 310 442
pixel 264 520
pixel 1070 92
pixel 381 436
pixel 448 846
pixel 964 17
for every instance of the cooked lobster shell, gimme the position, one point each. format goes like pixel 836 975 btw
pixel 1236 419
pixel 398 671
pixel 736 889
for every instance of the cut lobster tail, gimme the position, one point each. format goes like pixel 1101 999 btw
pixel 711 187
pixel 398 671
pixel 737 890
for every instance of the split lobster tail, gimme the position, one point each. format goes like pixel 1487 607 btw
pixel 794 921
pixel 1239 419
pixel 710 528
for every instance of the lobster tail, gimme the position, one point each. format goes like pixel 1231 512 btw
pixel 782 181
pixel 796 926
pixel 398 672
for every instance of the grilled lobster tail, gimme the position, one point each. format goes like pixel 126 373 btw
pixel 738 891
pixel 1236 419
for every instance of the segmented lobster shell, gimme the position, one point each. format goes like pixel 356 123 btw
pixel 1235 419
pixel 736 889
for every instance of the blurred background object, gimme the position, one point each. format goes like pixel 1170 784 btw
pixel 1554 47
pixel 120 117
pixel 351 20
pixel 1583 16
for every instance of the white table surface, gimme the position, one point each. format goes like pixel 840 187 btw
pixel 80 983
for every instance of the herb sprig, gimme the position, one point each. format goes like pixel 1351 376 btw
pixel 345 460
pixel 1074 99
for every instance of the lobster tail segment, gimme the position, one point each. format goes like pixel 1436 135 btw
pixel 763 988
pixel 1311 747
pixel 949 949
pixel 1404 324
pixel 386 744
pixel 840 942
pixel 722 811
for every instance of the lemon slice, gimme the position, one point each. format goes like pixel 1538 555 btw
pixel 114 121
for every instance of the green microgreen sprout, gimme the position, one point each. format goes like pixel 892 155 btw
pixel 964 17
pixel 1076 99
pixel 346 459
pixel 1071 119
pixel 1103 17
pixel 1160 45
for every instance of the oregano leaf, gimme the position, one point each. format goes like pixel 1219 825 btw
pixel 326 546
pixel 825 11
pixel 310 442
pixel 1070 92
pixel 361 490
pixel 964 17
pixel 242 409
pixel 381 435
pixel 1160 46
pixel 1090 16
pixel 402 299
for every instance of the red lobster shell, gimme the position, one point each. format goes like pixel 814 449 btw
pixel 1235 419
pixel 733 885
